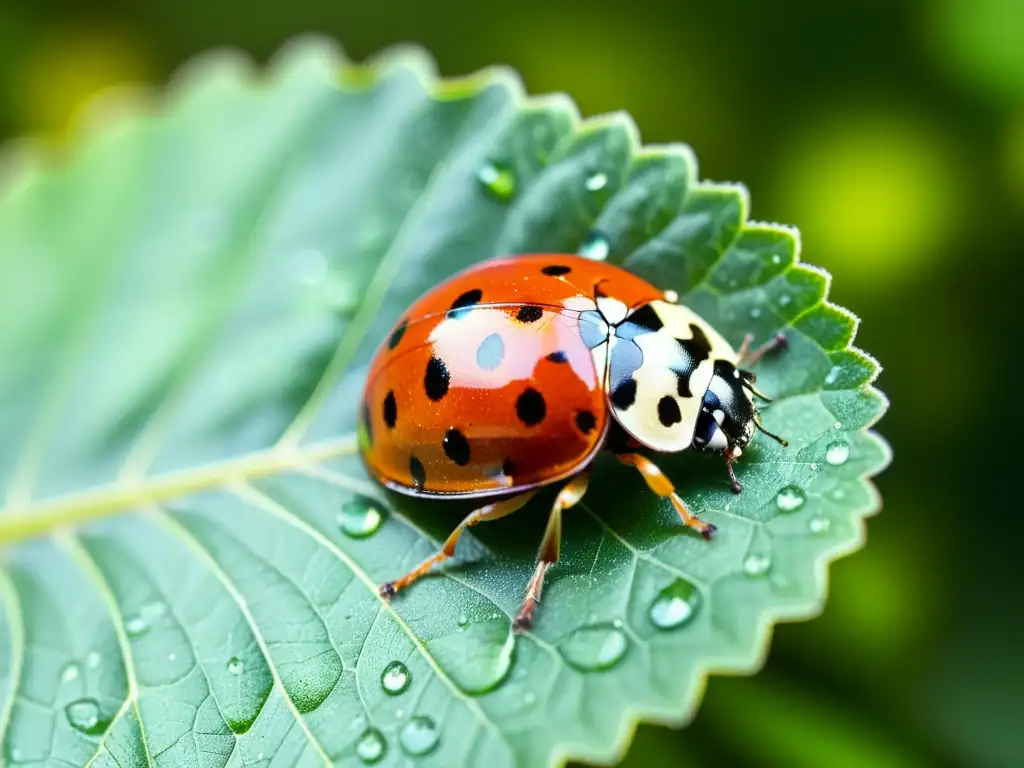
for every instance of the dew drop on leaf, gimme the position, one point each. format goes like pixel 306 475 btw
pixel 675 605
pixel 819 525
pixel 594 648
pixel 498 180
pixel 832 376
pixel 530 698
pixel 790 499
pixel 784 300
pixel 596 182
pixel 92 659
pixel 755 312
pixel 463 620
pixel 756 565
pixel 837 454
pixel 70 672
pixel 371 746
pixel 596 246
pixel 84 716
pixel 359 518
pixel 136 626
pixel 419 736
pixel 236 666
pixel 776 259
pixel 395 678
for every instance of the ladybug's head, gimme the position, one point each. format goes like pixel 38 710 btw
pixel 728 415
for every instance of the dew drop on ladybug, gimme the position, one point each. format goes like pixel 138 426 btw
pixel 517 372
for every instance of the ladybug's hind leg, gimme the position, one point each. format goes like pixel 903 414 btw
pixel 662 486
pixel 490 512
pixel 550 547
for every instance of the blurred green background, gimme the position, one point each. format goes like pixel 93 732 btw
pixel 892 135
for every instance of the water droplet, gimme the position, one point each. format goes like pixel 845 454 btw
pixel 595 648
pixel 819 525
pixel 675 605
pixel 596 182
pixel 837 454
pixel 790 499
pixel 755 312
pixel 463 620
pixel 259 755
pixel 136 626
pixel 839 494
pixel 92 659
pixel 838 425
pixel 16 754
pixel 419 736
pixel 814 466
pixel 371 746
pixel 833 375
pixel 498 180
pixel 172 656
pixel 309 266
pixel 84 716
pixel 776 259
pixel 236 666
pixel 69 673
pixel 784 299
pixel 596 246
pixel 756 565
pixel 395 678
pixel 359 518
pixel 530 697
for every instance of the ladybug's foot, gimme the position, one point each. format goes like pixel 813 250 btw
pixel 746 357
pixel 662 486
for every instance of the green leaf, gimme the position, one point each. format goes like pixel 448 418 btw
pixel 191 547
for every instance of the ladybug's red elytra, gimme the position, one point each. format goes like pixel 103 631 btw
pixel 515 373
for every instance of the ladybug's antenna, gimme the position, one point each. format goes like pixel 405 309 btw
pixel 748 379
pixel 780 440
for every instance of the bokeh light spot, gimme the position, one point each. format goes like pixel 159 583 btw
pixel 875 195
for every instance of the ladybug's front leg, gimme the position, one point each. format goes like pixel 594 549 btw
pixel 550 547
pixel 661 485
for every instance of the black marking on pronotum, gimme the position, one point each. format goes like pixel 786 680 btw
pixel 530 407
pixel 390 410
pixel 554 270
pixel 436 379
pixel 558 357
pixel 668 411
pixel 696 350
pixel 624 395
pixel 529 314
pixel 456 447
pixel 491 352
pixel 465 303
pixel 397 334
pixel 418 472
pixel 585 421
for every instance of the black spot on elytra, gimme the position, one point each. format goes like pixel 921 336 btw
pixel 491 352
pixel 624 395
pixel 530 407
pixel 418 472
pixel 558 357
pixel 390 410
pixel 397 334
pixel 465 303
pixel 585 421
pixel 668 411
pixel 435 382
pixel 556 269
pixel 696 350
pixel 646 318
pixel 530 314
pixel 456 447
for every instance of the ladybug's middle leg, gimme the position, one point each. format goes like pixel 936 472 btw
pixel 662 486
pixel 489 512
pixel 550 547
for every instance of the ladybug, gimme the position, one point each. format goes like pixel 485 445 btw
pixel 515 373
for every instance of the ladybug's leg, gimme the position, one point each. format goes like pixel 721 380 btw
pixel 550 546
pixel 490 512
pixel 662 486
pixel 748 358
